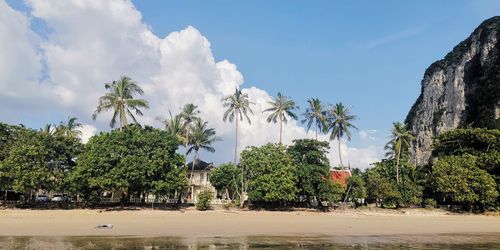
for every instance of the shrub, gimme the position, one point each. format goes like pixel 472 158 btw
pixel 203 200
pixel 429 203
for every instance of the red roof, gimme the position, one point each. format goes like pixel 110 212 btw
pixel 340 176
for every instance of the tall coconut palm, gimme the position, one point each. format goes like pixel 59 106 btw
pixel 189 115
pixel 70 129
pixel 175 127
pixel 399 143
pixel 280 109
pixel 238 107
pixel 201 138
pixel 340 123
pixel 120 99
pixel 316 114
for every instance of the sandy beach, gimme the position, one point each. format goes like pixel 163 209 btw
pixel 223 223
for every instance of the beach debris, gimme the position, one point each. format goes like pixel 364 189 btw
pixel 104 226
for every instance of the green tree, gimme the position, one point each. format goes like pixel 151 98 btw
pixel 226 177
pixel 237 107
pixel 271 174
pixel 133 160
pixel 340 123
pixel 316 114
pixel 313 170
pixel 458 179
pixel 189 115
pixel 202 138
pixel 357 188
pixel 120 99
pixel 466 141
pixel 381 189
pixel 399 143
pixel 175 127
pixel 40 161
pixel 71 128
pixel 281 108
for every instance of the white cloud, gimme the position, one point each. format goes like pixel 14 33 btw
pixel 87 132
pixel 92 42
pixel 367 135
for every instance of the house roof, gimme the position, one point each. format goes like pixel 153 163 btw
pixel 200 165
pixel 340 176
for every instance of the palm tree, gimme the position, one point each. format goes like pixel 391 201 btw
pixel 188 116
pixel 238 107
pixel 399 143
pixel 120 98
pixel 175 127
pixel 340 124
pixel 202 138
pixel 48 129
pixel 282 107
pixel 70 129
pixel 315 114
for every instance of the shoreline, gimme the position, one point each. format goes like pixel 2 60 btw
pixel 237 223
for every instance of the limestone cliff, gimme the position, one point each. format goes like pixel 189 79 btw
pixel 461 90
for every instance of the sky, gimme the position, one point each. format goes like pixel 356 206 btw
pixel 370 55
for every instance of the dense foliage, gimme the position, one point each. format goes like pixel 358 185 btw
pixel 203 199
pixel 132 160
pixel 37 160
pixel 271 174
pixel 226 177
pixel 313 171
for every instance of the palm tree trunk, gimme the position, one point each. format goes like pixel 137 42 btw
pixel 236 143
pixel 186 146
pixel 340 155
pixel 242 200
pixel 397 164
pixel 316 132
pixel 281 129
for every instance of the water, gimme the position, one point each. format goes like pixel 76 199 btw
pixel 459 242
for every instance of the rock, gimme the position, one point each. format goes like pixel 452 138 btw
pixel 461 90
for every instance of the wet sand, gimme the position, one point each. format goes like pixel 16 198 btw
pixel 196 224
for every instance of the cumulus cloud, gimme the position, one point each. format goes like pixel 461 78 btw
pixel 93 42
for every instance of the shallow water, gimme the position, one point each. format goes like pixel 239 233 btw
pixel 483 241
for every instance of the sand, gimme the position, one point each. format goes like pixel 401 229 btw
pixel 240 223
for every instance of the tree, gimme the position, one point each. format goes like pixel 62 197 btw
pixel 175 127
pixel 313 170
pixel 189 115
pixel 280 109
pixel 133 160
pixel 399 143
pixel 237 107
pixel 357 189
pixel 40 161
pixel 316 114
pixel 271 174
pixel 226 177
pixel 70 128
pixel 458 179
pixel 466 141
pixel 381 189
pixel 340 123
pixel 48 129
pixel 120 99
pixel 202 138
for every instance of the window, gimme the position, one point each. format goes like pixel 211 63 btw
pixel 202 176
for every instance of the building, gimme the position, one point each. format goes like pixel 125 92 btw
pixel 340 176
pixel 199 181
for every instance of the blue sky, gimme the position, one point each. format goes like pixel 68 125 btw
pixel 370 55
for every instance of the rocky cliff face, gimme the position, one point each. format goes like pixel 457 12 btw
pixel 461 90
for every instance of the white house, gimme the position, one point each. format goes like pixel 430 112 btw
pixel 199 181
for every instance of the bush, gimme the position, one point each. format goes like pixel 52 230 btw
pixel 429 203
pixel 203 200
